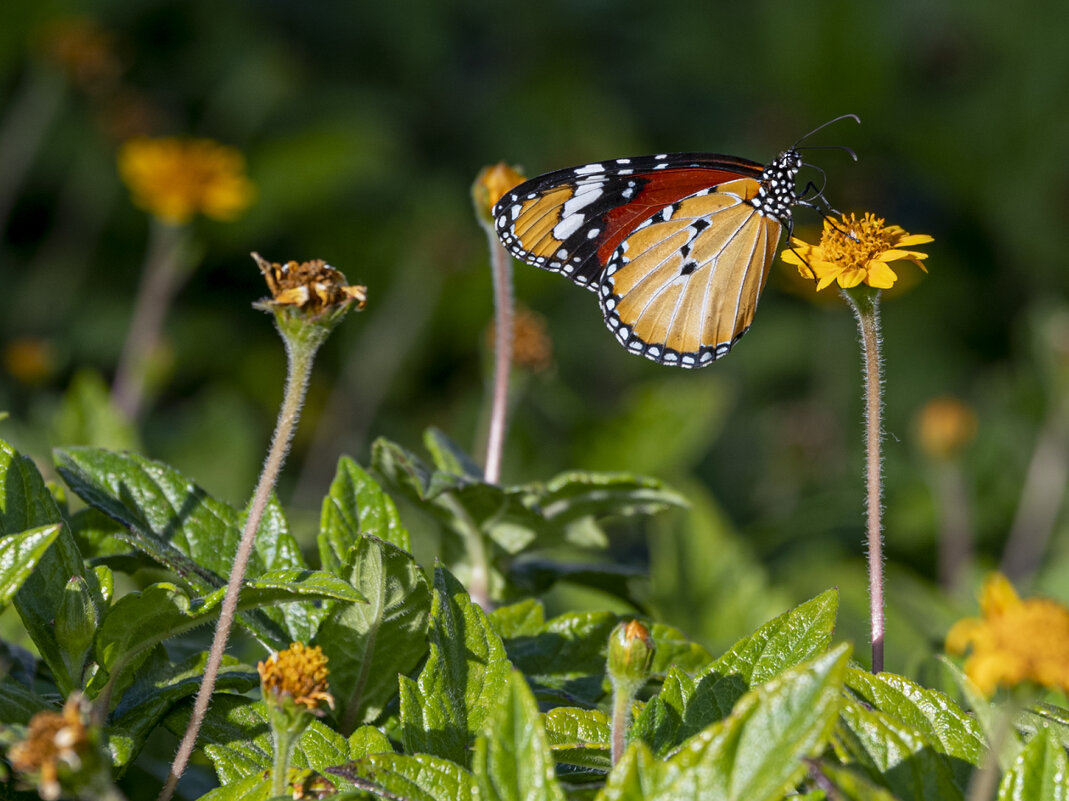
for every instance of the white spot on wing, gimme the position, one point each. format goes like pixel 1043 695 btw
pixel 568 226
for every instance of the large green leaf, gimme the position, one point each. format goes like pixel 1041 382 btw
pixel 27 505
pixel 943 723
pixel 461 681
pixel 355 506
pixel 140 620
pixel 1039 773
pixel 580 737
pixel 421 777
pixel 277 551
pixel 687 705
pixel 19 556
pixel 894 755
pixel 512 760
pixel 369 644
pixel 757 753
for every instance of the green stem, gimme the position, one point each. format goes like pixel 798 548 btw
pixel 500 267
pixel 621 718
pixel 866 305
pixel 285 740
pixel 300 353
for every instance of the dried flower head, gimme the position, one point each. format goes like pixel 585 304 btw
pixel 55 745
pixel 312 286
pixel 853 251
pixel 175 179
pixel 84 50
pixel 1015 641
pixel 31 360
pixel 532 349
pixel 298 673
pixel 945 426
pixel 490 186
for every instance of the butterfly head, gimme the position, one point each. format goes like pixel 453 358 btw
pixel 776 195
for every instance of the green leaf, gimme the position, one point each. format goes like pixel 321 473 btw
pixel 413 778
pixel 19 556
pixel 19 703
pixel 987 715
pixel 895 755
pixel 686 706
pixel 256 787
pixel 943 723
pixel 368 740
pixel 142 619
pixel 461 681
pixel 77 619
pixel 757 753
pixel 369 644
pixel 580 737
pixel 450 457
pixel 355 506
pixel 405 471
pixel 1054 719
pixel 522 619
pixel 577 494
pixel 1039 773
pixel 512 760
pixel 236 736
pixel 851 785
pixel 27 505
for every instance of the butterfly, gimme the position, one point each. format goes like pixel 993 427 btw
pixel 676 246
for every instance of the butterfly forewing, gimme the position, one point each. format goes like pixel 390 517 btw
pixel 571 220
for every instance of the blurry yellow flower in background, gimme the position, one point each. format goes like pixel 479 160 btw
pixel 175 179
pixel 1015 641
pixel 945 426
pixel 853 251
pixel 490 186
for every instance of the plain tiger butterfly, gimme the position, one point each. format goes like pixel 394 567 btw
pixel 677 246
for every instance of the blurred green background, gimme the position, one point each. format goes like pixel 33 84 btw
pixel 364 125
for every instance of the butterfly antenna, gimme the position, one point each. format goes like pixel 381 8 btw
pixel 848 150
pixel 853 117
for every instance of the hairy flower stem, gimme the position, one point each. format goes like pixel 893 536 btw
pixel 284 742
pixel 161 277
pixel 621 721
pixel 300 353
pixel 501 269
pixel 866 305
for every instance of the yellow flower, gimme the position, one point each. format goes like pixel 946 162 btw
pixel 299 673
pixel 945 426
pixel 1015 641
pixel 490 186
pixel 175 179
pixel 54 742
pixel 853 251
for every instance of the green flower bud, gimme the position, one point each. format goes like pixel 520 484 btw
pixel 631 651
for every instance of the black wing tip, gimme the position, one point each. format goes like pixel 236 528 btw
pixel 689 360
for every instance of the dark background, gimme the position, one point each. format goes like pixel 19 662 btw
pixel 364 125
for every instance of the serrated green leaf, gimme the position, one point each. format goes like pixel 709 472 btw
pixel 369 644
pixel 942 722
pixel 1054 719
pixel 368 740
pixel 450 457
pixel 851 785
pixel 987 715
pixel 256 787
pixel 461 681
pixel 25 505
pixel 895 755
pixel 522 619
pixel 577 494
pixel 421 777
pixel 757 753
pixel 19 555
pixel 689 705
pixel 355 506
pixel 1039 773
pixel 278 551
pixel 512 760
pixel 236 736
pixel 580 737
pixel 407 473
pixel 140 620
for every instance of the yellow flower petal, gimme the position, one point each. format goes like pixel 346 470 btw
pixel 880 275
pixel 914 239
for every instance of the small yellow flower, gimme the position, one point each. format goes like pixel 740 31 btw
pixel 1015 641
pixel 175 179
pixel 945 426
pixel 313 286
pixel 54 742
pixel 490 186
pixel 31 360
pixel 299 673
pixel 853 251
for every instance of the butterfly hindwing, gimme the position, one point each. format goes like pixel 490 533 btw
pixel 683 286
